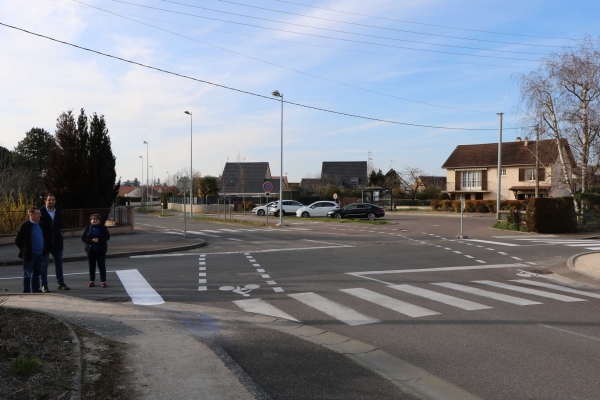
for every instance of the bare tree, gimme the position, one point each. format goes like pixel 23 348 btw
pixel 564 96
pixel 410 180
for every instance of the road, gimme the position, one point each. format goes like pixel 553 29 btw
pixel 474 312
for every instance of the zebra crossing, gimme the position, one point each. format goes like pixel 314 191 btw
pixel 218 232
pixel 587 244
pixel 409 293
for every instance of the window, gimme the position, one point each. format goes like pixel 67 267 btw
pixel 529 174
pixel 503 171
pixel 471 180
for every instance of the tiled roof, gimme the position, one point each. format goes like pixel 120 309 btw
pixel 252 173
pixel 123 190
pixel 340 173
pixel 513 153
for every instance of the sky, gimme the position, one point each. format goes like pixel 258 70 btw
pixel 379 78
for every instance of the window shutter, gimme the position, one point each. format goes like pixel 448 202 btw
pixel 542 174
pixel 521 174
pixel 457 180
pixel 484 180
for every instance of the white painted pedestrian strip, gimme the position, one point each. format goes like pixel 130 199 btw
pixel 504 254
pixel 201 280
pixel 440 269
pixel 592 248
pixel 201 273
pixel 252 260
pixel 138 288
pixel 207 230
pixel 484 293
pixel 256 265
pixel 258 306
pixel 229 230
pixel 492 242
pixel 517 258
pixel 530 263
pixel 202 233
pixel 236 240
pixel 440 297
pixel 469 256
pixel 333 309
pixel 557 287
pixel 265 276
pixel 457 252
pixel 260 270
pixel 271 282
pixel 202 288
pixel 391 303
pixel 481 261
pixel 201 263
pixel 202 268
pixel 278 290
pixel 534 292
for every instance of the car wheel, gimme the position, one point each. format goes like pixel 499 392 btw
pixel 337 216
pixel 260 213
pixel 371 216
pixel 305 214
pixel 276 213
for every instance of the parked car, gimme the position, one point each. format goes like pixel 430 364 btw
pixel 317 209
pixel 358 210
pixel 289 207
pixel 262 210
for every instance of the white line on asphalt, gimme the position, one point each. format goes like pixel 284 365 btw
pixel 484 293
pixel 557 287
pixel 237 240
pixel 592 248
pixel 138 288
pixel 333 309
pixel 271 282
pixel 202 288
pixel 469 256
pixel 488 241
pixel 534 292
pixel 407 271
pixel 391 303
pixel 572 333
pixel 207 230
pixel 504 254
pixel 259 306
pixel 440 297
pixel 202 268
pixel 530 263
pixel 229 230
pixel 265 276
pixel 481 261
pixel 241 252
pixel 278 290
pixel 166 255
pixel 517 258
pixel 457 252
pixel 202 233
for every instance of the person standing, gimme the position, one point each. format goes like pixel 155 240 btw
pixel 51 223
pixel 30 241
pixel 95 237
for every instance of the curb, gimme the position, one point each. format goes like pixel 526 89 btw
pixel 571 263
pixel 201 243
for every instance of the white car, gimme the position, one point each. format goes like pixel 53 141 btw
pixel 262 210
pixel 317 209
pixel 289 207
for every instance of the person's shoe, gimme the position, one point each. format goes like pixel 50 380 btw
pixel 37 291
pixel 45 289
pixel 91 284
pixel 103 284
pixel 63 287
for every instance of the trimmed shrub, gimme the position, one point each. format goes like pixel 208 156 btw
pixel 435 204
pixel 164 199
pixel 551 215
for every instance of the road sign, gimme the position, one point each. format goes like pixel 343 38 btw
pixel 267 186
pixel 182 182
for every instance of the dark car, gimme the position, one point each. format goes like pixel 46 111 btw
pixel 358 210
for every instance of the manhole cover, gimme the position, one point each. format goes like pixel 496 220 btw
pixel 541 272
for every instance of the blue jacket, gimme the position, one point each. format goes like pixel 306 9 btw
pixel 86 237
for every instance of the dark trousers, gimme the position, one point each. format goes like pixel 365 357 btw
pixel 97 256
pixel 31 273
pixel 58 267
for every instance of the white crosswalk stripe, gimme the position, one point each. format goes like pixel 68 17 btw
pixel 535 292
pixel 333 309
pixel 259 306
pixel 557 287
pixel 389 302
pixel 440 297
pixel 484 293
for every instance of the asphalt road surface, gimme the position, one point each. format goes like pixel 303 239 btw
pixel 474 312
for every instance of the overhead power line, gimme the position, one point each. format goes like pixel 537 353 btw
pixel 245 91
pixel 281 66
pixel 377 27
pixel 426 24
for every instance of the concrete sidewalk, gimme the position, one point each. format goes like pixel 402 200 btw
pixel 587 264
pixel 139 243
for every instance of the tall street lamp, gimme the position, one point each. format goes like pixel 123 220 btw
pixel 142 180
pixel 152 191
pixel 147 175
pixel 276 93
pixel 191 173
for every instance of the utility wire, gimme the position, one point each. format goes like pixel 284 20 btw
pixel 425 24
pixel 244 91
pixel 351 33
pixel 326 37
pixel 376 27
pixel 281 66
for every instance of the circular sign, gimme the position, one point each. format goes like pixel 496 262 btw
pixel 267 186
pixel 335 196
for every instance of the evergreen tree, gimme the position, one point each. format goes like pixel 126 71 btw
pixel 376 178
pixel 32 152
pixel 101 164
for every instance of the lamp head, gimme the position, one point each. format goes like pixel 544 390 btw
pixel 188 113
pixel 141 157
pixel 276 93
pixel 145 142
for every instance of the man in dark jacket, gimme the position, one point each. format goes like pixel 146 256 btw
pixel 51 223
pixel 30 241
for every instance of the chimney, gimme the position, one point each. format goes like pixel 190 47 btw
pixel 518 138
pixel 526 141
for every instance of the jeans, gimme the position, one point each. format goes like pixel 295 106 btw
pixel 57 256
pixel 100 257
pixel 31 273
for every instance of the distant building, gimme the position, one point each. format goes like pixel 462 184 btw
pixel 345 174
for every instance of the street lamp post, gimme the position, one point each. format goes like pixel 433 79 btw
pixel 147 175
pixel 152 191
pixel 276 93
pixel 191 171
pixel 142 180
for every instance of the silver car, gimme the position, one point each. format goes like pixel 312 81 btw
pixel 317 209
pixel 262 210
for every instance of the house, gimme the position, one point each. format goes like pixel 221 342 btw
pixel 430 182
pixel 245 178
pixel 472 170
pixel 129 191
pixel 345 174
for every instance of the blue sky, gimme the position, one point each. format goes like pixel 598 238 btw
pixel 426 62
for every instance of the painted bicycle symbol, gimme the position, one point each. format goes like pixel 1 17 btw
pixel 240 290
pixel 527 274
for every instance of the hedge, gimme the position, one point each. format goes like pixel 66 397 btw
pixel 551 215
pixel 477 206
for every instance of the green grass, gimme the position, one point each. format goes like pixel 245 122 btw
pixel 24 365
pixel 507 226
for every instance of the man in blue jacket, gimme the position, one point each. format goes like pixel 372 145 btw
pixel 51 223
pixel 30 241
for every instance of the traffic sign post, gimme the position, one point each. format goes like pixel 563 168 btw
pixel 182 185
pixel 267 208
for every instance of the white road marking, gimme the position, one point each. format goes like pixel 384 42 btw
pixel 530 263
pixel 391 303
pixel 207 230
pixel 333 309
pixel 265 276
pixel 484 293
pixel 271 282
pixel 202 233
pixel 557 287
pixel 534 292
pixel 469 256
pixel 499 243
pixel 592 248
pixel 201 263
pixel 202 288
pixel 228 230
pixel 138 288
pixel 517 258
pixel 442 298
pixel 408 271
pixel 237 240
pixel 571 332
pixel 260 270
pixel 504 254
pixel 256 265
pixel 278 290
pixel 201 273
pixel 481 261
pixel 258 306
pixel 201 280
pixel 457 252
pixel 202 268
